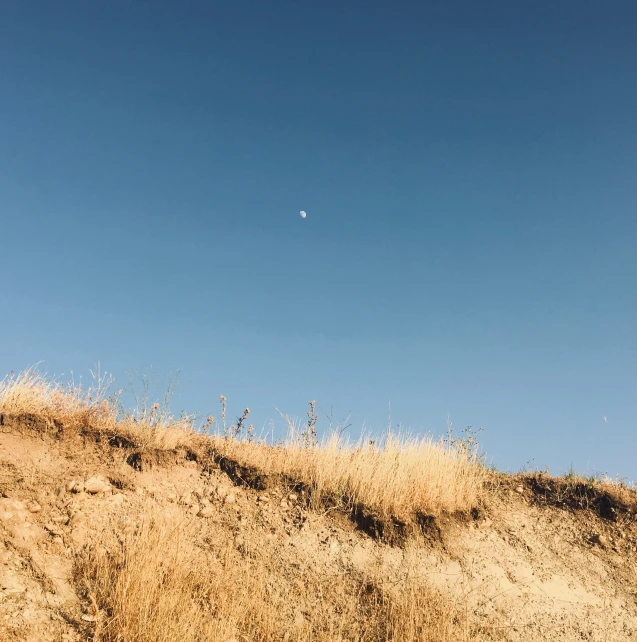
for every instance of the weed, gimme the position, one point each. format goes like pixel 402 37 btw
pixel 309 435
pixel 222 401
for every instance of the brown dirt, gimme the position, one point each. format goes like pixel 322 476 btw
pixel 544 559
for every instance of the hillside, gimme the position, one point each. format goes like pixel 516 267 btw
pixel 127 528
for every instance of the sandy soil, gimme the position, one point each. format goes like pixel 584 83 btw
pixel 532 570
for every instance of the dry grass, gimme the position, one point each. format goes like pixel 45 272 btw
pixel 29 393
pixel 400 478
pixel 71 409
pixel 166 581
pixel 159 585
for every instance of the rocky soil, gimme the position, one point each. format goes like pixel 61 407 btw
pixel 530 565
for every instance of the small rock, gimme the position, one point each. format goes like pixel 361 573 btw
pixel 292 497
pixel 171 497
pixel 88 618
pixel 194 509
pixel 78 487
pixel 230 498
pixel 95 485
pixel 70 485
pixel 264 499
pixel 33 507
pixel 186 500
pixel 600 540
pixel 118 499
pixel 206 511
pixel 284 504
pixel 221 491
pixel 198 493
pixel 60 519
pixel 54 530
pixel 519 489
pixel 80 535
pixel 77 518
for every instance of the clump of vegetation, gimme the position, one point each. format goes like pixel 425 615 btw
pixel 160 586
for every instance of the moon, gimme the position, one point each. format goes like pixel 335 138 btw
pixel 303 214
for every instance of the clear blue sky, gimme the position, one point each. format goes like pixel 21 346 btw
pixel 469 173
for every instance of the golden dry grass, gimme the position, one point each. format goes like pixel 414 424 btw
pixel 160 586
pixel 164 583
pixel 71 408
pixel 401 478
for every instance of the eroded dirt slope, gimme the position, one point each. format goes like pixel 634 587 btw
pixel 524 569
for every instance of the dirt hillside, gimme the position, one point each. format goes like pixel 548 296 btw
pixel 99 537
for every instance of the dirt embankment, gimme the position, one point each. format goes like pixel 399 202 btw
pixel 543 559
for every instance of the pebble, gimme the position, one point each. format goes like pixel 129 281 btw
pixel 519 489
pixel 77 518
pixel 292 497
pixel 600 540
pixel 95 485
pixel 80 535
pixel 34 507
pixel 230 498
pixel 53 529
pixel 60 519
pixel 206 511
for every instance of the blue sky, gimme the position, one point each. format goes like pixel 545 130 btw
pixel 468 170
